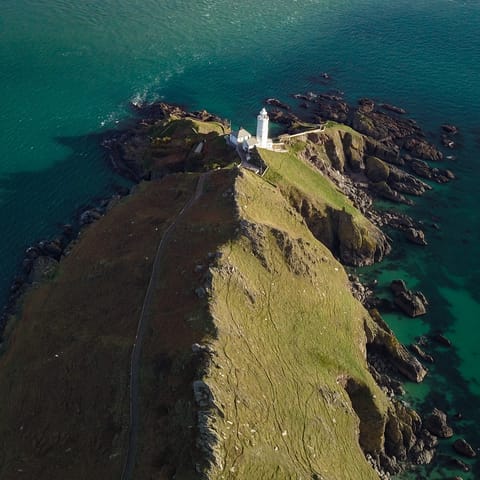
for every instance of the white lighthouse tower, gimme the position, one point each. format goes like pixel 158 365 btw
pixel 262 130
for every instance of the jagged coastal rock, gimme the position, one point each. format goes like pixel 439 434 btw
pixel 436 424
pixel 462 447
pixel 411 303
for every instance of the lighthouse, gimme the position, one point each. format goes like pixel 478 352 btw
pixel 262 129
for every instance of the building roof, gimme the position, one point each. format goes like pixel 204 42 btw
pixel 241 133
pixel 251 142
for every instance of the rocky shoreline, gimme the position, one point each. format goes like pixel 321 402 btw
pixel 386 164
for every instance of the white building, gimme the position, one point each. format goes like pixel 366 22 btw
pixel 243 138
pixel 262 130
pixel 239 136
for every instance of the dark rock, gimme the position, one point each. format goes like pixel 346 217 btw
pixel 389 464
pixel 336 110
pixel 366 105
pixel 384 127
pixel 277 103
pixel 422 456
pixel 283 117
pixel 462 447
pixel 406 183
pixel 51 249
pixel 389 152
pixel 32 253
pixel 422 149
pixel 382 189
pixel 398 286
pixel 416 236
pixel 421 168
pixel 420 353
pixel 383 340
pixel 442 340
pixel 447 142
pixel 335 97
pixel 449 174
pixel 457 464
pixel 27 265
pixel 429 440
pixel 393 108
pixel 452 129
pixel 411 303
pixel 89 216
pixel 203 394
pixel 436 424
pixel 68 231
pixel 200 292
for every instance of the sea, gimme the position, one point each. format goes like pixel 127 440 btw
pixel 69 70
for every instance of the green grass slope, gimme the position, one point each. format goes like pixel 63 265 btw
pixel 330 215
pixel 290 339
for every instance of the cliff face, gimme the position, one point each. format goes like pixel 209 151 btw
pixel 254 364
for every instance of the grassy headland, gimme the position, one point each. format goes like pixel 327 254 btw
pixel 251 310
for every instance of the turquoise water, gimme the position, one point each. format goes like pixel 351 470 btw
pixel 70 68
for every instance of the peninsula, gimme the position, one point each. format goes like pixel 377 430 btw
pixel 204 326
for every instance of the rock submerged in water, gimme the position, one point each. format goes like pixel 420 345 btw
pixel 411 303
pixel 452 129
pixel 436 424
pixel 457 464
pixel 393 108
pixel 442 340
pixel 462 447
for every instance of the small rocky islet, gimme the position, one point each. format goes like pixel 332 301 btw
pixel 369 154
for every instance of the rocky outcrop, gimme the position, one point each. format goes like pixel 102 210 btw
pixel 436 424
pixel 452 129
pixel 277 103
pixel 393 108
pixel 411 303
pixel 383 190
pixel 381 338
pixel 392 438
pixel 422 149
pixel 423 170
pixel 416 236
pixel 462 447
pixel 377 170
pixel 419 352
pixel 353 242
pixel 393 178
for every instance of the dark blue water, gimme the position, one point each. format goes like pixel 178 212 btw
pixel 70 68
